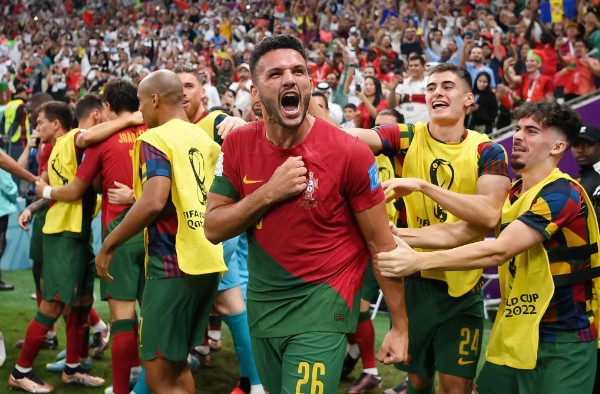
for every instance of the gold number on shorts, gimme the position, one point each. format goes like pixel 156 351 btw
pixel 316 386
pixel 140 329
pixel 465 333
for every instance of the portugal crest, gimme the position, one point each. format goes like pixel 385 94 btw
pixel 308 200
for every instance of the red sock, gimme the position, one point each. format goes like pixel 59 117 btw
pixel 124 351
pixel 94 317
pixel 35 335
pixel 365 338
pixel 76 326
pixel 85 344
pixel 351 339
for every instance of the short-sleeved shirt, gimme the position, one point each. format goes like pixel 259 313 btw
pixel 163 230
pixel 112 160
pixel 307 256
pixel 535 90
pixel 560 213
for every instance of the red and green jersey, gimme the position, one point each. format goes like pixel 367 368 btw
pixel 307 256
pixel 112 160
pixel 560 213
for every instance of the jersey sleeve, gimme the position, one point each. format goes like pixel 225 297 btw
pixel 395 138
pixel 216 137
pixel 153 162
pixel 492 159
pixel 557 204
pixel 91 164
pixel 227 180
pixel 363 187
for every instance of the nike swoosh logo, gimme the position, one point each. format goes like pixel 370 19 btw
pixel 463 362
pixel 248 181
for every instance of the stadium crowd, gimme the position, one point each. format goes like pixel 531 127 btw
pixel 81 64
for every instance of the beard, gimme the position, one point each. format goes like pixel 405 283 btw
pixel 271 110
pixel 516 165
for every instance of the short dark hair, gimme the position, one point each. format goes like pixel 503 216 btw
pixel 321 94
pixel 393 112
pixel 274 42
pixel 351 106
pixel 417 57
pixel 460 72
pixel 121 95
pixel 86 105
pixel 551 114
pixel 58 110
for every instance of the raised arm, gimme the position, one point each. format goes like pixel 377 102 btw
pixel 104 130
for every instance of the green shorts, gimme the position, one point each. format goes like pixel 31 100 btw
pixel 174 315
pixel 36 244
pixel 69 268
pixel 562 368
pixel 444 332
pixel 303 363
pixel 370 288
pixel 127 268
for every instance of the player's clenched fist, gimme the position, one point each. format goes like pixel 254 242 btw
pixel 289 179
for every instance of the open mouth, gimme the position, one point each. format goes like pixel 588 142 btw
pixel 439 104
pixel 290 102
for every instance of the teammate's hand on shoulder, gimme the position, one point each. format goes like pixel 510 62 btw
pixel 228 124
pixel 288 180
pixel 136 119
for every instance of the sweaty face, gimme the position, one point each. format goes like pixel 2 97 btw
pixel 447 97
pixel 283 86
pixel 193 93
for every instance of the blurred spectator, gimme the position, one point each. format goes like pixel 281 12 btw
pixel 335 111
pixel 372 102
pixel 532 86
pixel 241 88
pixel 407 96
pixel 349 116
pixel 578 73
pixel 481 115
pixel 475 64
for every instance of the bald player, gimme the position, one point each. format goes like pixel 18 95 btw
pixel 170 206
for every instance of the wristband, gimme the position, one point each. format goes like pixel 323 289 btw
pixel 46 193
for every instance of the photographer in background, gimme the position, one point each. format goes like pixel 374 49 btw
pixel 57 82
